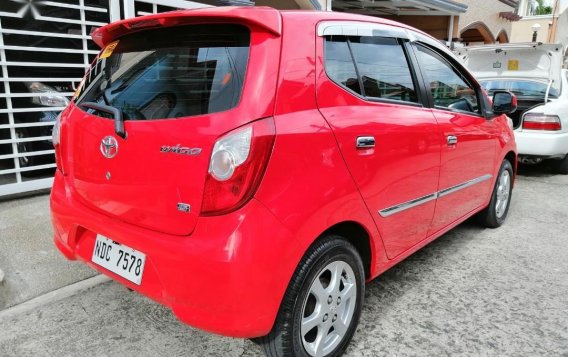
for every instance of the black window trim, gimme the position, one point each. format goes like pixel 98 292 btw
pixel 359 78
pixel 421 103
pixel 484 113
pixel 424 93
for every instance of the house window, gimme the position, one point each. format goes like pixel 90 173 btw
pixel 539 7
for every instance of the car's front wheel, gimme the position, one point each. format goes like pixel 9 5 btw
pixel 322 305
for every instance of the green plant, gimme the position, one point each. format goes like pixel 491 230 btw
pixel 540 8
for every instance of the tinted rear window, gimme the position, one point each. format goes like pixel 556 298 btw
pixel 377 63
pixel 172 72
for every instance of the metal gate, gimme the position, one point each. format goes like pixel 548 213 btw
pixel 45 48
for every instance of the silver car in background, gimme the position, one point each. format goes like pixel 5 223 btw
pixel 532 71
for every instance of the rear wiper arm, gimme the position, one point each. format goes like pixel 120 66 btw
pixel 116 113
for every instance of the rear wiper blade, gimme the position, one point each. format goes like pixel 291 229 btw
pixel 116 113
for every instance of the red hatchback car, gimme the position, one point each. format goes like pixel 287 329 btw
pixel 251 169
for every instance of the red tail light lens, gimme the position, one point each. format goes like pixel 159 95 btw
pixel 541 122
pixel 236 167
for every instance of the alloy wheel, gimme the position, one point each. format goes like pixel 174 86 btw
pixel 328 309
pixel 503 191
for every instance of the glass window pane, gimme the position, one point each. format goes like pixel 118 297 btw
pixel 339 64
pixel 523 88
pixel 172 72
pixel 383 67
pixel 448 88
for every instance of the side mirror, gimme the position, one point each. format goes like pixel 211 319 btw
pixel 504 102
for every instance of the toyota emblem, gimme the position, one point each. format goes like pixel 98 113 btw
pixel 109 147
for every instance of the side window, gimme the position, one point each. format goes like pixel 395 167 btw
pixel 378 63
pixel 383 68
pixel 448 87
pixel 339 64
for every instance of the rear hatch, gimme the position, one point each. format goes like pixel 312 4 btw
pixel 530 61
pixel 178 89
pixel 532 71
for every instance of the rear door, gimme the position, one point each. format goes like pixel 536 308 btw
pixel 369 95
pixel 467 138
pixel 178 89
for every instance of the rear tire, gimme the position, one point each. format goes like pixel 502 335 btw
pixel 494 215
pixel 321 307
pixel 561 166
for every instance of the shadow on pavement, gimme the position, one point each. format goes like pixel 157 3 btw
pixel 543 169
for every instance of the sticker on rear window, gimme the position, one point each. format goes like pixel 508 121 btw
pixel 108 49
pixel 79 88
pixel 513 65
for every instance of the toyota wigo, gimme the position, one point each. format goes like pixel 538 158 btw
pixel 251 169
pixel 533 72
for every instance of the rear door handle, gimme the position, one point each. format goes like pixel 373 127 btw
pixel 452 140
pixel 365 142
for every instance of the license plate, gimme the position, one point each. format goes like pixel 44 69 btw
pixel 119 258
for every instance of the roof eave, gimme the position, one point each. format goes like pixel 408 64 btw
pixel 452 7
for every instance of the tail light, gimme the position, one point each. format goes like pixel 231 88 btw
pixel 56 141
pixel 541 122
pixel 236 167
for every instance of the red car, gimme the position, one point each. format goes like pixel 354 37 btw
pixel 251 169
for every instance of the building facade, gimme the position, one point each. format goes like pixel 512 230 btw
pixel 461 21
pixel 439 18
pixel 487 21
pixel 548 24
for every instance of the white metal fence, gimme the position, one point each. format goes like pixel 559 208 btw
pixel 45 47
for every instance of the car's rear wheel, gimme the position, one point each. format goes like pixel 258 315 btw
pixel 322 305
pixel 495 213
pixel 561 166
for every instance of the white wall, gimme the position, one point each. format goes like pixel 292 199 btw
pixel 486 11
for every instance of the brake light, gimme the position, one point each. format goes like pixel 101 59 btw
pixel 143 23
pixel 536 121
pixel 236 167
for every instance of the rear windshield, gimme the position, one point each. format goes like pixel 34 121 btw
pixel 521 88
pixel 171 72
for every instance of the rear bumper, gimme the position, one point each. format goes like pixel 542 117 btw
pixel 228 277
pixel 547 145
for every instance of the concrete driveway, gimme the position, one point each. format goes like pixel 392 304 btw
pixel 472 292
pixel 31 263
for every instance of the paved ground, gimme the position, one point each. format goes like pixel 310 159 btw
pixel 28 258
pixel 472 292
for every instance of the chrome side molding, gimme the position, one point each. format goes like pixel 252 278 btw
pixel 389 211
pixel 463 185
pixel 409 204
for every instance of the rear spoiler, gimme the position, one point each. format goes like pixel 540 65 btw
pixel 266 18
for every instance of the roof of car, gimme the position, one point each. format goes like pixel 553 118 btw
pixel 343 16
pixel 265 17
